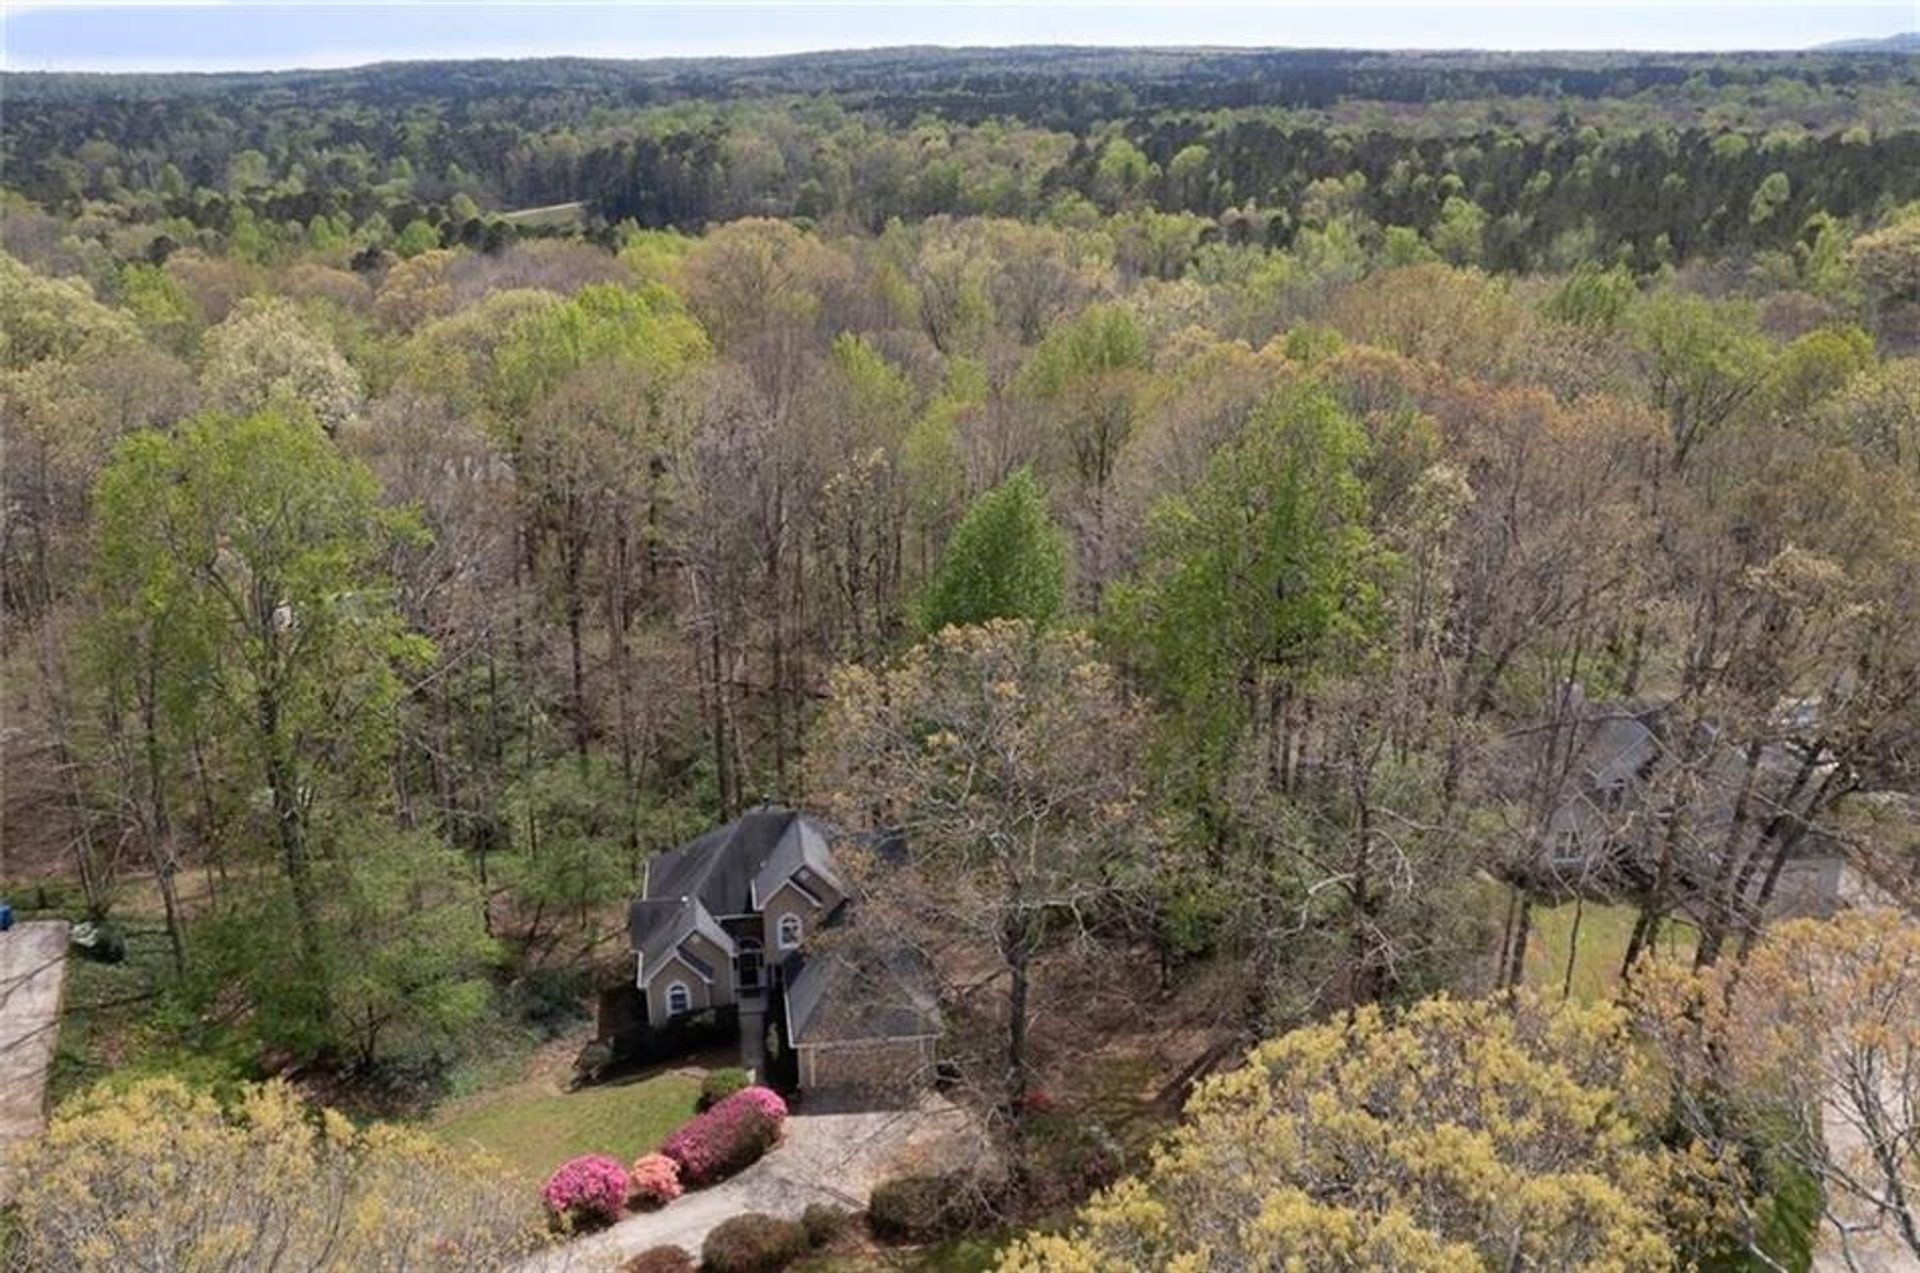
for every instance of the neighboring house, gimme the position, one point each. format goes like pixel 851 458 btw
pixel 1613 788
pixel 1603 794
pixel 719 932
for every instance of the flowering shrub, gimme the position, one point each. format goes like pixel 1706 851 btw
pixel 764 1099
pixel 656 1180
pixel 730 1136
pixel 592 1187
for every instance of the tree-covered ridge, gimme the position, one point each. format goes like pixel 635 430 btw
pixel 1655 158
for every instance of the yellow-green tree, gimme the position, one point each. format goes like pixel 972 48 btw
pixel 1810 1048
pixel 1462 1135
pixel 159 1176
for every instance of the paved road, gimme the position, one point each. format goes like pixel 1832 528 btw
pixel 33 972
pixel 835 1158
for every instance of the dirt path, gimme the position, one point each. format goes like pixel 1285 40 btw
pixel 33 973
pixel 827 1157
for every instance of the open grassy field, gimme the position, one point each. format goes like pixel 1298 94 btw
pixel 1602 936
pixel 535 1125
pixel 553 215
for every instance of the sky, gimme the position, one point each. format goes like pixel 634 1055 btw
pixel 36 35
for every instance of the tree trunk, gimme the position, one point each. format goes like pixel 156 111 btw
pixel 159 825
pixel 1014 951
pixel 1522 935
pixel 1573 947
pixel 576 619
pixel 291 825
pixel 1646 929
pixel 1721 904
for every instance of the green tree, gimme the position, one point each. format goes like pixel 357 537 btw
pixel 1704 360
pixel 1459 236
pixel 1769 197
pixel 1188 172
pixel 252 550
pixel 572 831
pixel 1121 171
pixel 162 305
pixel 418 236
pixel 1255 580
pixel 1592 297
pixel 1089 378
pixel 1006 560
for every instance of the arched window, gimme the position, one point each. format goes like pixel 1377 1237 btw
pixel 789 932
pixel 679 999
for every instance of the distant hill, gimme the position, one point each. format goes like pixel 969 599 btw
pixel 1905 42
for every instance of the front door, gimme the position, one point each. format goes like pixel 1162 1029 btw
pixel 747 964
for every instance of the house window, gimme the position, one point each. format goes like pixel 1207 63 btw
pixel 679 999
pixel 1566 845
pixel 748 964
pixel 789 932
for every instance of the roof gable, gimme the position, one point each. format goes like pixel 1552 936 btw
pixel 683 958
pixel 731 870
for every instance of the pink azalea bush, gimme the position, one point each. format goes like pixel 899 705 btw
pixel 592 1187
pixel 655 1180
pixel 764 1099
pixel 728 1137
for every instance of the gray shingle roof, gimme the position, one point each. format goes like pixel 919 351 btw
pixel 863 986
pixel 660 926
pixel 689 889
pixel 801 847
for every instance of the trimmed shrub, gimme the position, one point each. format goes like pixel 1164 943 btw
pixel 660 1259
pixel 591 1188
pixel 753 1243
pixel 721 1084
pixel 921 1209
pixel 823 1222
pixel 655 1181
pixel 730 1136
pixel 594 1060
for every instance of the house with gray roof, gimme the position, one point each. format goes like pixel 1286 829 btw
pixel 1612 778
pixel 753 921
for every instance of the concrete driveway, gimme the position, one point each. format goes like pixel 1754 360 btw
pixel 833 1157
pixel 33 973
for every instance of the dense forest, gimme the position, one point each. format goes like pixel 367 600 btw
pixel 1205 498
pixel 1517 163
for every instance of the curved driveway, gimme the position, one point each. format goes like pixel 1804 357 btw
pixel 824 1156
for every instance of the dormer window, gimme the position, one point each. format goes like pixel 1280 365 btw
pixel 1566 845
pixel 789 931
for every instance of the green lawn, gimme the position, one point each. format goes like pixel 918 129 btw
pixel 1604 932
pixel 533 1127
